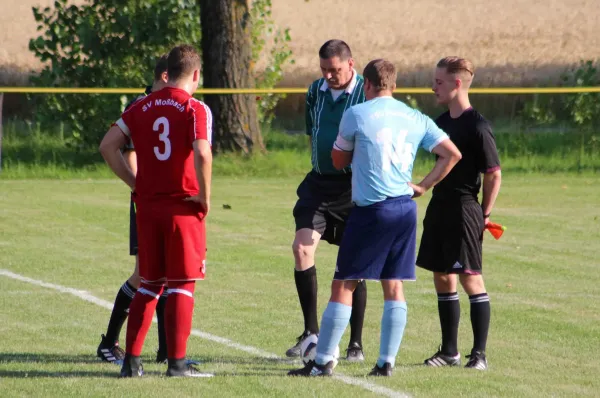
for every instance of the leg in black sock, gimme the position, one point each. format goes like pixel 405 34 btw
pixel 161 355
pixel 119 312
pixel 449 311
pixel 357 319
pixel 306 285
pixel 480 320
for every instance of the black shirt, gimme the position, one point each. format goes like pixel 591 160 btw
pixel 472 135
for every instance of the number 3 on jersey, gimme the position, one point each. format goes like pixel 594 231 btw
pixel 394 153
pixel 164 137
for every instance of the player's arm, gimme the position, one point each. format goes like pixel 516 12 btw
pixel 448 156
pixel 436 141
pixel 491 188
pixel 489 164
pixel 307 115
pixel 201 136
pixel 131 159
pixel 110 148
pixel 343 147
pixel 203 165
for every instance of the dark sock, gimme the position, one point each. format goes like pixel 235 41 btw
pixel 449 311
pixel 357 319
pixel 306 285
pixel 160 316
pixel 119 312
pixel 480 320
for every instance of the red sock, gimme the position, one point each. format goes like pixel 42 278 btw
pixel 141 311
pixel 178 317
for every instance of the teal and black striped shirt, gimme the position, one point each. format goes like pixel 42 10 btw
pixel 323 116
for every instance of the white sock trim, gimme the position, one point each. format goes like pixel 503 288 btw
pixel 180 291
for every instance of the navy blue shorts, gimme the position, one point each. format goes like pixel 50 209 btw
pixel 379 242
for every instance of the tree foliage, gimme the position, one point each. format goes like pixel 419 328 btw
pixel 110 43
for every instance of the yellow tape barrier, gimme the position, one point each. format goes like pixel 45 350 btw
pixel 415 90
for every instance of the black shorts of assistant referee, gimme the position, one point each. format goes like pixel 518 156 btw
pixel 133 240
pixel 324 203
pixel 452 237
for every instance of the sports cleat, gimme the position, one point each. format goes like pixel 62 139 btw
pixel 477 360
pixel 439 360
pixel 183 368
pixel 312 369
pixel 110 352
pixel 295 350
pixel 132 366
pixel 386 370
pixel 354 353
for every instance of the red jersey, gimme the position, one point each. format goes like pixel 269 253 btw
pixel 162 127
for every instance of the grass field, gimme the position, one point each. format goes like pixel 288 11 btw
pixel 542 277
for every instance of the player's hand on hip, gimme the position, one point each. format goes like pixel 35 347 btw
pixel 203 202
pixel 417 190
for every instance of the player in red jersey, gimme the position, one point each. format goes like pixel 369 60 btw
pixel 171 132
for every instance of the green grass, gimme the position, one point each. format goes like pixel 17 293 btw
pixel 542 277
pixel 29 153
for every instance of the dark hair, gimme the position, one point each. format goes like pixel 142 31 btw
pixel 160 67
pixel 335 48
pixel 181 61
pixel 381 74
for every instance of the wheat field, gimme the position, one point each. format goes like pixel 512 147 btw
pixel 510 41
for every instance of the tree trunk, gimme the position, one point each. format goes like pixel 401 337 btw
pixel 226 59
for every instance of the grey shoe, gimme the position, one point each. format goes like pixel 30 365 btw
pixel 183 368
pixel 295 350
pixel 354 353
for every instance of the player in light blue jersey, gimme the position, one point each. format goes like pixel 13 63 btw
pixel 380 139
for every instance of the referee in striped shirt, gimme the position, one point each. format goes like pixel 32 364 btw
pixel 324 196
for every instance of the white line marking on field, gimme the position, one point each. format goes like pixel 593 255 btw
pixel 82 294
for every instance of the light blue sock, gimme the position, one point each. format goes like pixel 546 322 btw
pixel 333 324
pixel 393 322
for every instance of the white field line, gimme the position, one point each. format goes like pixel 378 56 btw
pixel 384 391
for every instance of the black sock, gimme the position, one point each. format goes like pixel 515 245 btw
pixel 306 285
pixel 119 312
pixel 480 320
pixel 357 319
pixel 449 311
pixel 160 316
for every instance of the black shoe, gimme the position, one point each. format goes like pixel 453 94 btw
pixel 354 353
pixel 132 366
pixel 386 370
pixel 295 350
pixel 438 360
pixel 161 356
pixel 477 360
pixel 183 368
pixel 312 369
pixel 109 351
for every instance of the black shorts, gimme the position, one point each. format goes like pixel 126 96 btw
pixel 133 239
pixel 324 203
pixel 452 237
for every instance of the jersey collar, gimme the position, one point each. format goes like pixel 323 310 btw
pixel 349 89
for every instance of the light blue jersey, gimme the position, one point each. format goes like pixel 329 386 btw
pixel 385 135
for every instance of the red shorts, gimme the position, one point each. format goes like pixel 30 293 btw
pixel 171 241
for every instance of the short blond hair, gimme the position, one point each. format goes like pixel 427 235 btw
pixel 456 65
